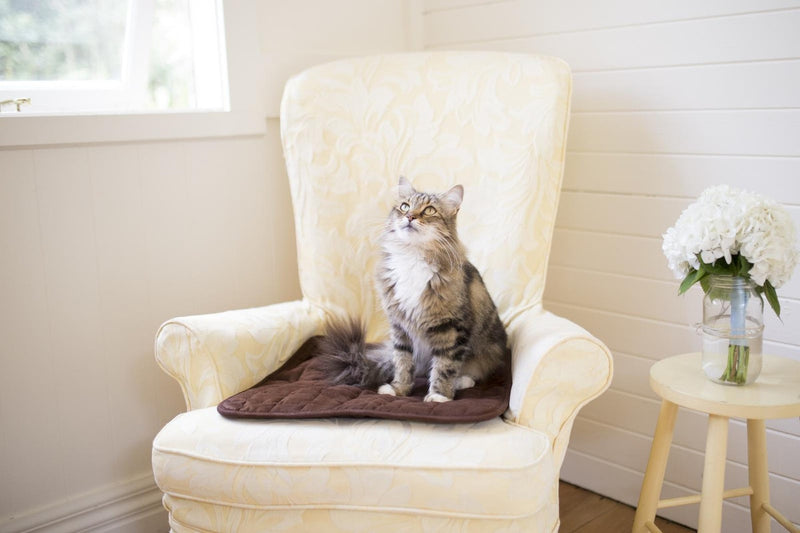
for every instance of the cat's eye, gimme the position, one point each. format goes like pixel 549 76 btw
pixel 430 210
pixel 404 207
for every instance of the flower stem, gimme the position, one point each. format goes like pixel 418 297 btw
pixel 738 363
pixel 738 349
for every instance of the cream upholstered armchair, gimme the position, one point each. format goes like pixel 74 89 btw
pixel 495 123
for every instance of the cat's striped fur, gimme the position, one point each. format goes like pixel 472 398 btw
pixel 443 321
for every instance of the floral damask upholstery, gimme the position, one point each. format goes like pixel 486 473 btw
pixel 495 123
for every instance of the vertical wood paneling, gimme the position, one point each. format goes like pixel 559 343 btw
pixel 31 467
pixel 164 185
pixel 108 242
pixel 165 190
pixel 212 178
pixel 67 224
pixel 124 334
pixel 668 100
pixel 283 260
pixel 230 218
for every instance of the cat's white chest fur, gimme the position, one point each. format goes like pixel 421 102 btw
pixel 410 274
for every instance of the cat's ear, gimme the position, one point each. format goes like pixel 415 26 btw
pixel 453 197
pixel 405 189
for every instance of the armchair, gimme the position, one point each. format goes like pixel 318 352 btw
pixel 495 123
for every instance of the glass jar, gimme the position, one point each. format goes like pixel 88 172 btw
pixel 733 322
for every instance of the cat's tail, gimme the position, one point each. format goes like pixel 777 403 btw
pixel 347 359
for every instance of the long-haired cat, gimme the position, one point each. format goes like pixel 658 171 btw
pixel 444 323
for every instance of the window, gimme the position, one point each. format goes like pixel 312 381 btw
pixel 119 56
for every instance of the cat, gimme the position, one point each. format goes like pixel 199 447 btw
pixel 444 323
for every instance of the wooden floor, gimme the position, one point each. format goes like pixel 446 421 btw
pixel 586 512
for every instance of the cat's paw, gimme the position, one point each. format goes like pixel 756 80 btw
pixel 436 397
pixel 464 382
pixel 387 389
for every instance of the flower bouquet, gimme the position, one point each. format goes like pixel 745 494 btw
pixel 748 241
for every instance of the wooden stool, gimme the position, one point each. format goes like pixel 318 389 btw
pixel 680 381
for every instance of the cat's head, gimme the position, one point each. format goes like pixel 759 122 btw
pixel 419 217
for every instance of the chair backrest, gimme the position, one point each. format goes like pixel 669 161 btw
pixel 494 122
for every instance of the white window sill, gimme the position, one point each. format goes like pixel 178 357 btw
pixel 19 130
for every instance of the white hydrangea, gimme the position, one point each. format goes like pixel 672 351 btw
pixel 725 221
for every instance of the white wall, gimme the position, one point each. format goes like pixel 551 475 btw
pixel 669 98
pixel 303 33
pixel 101 242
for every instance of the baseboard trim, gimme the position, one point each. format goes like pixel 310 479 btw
pixel 115 508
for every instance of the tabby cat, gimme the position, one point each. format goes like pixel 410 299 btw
pixel 444 323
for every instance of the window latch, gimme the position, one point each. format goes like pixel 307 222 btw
pixel 19 102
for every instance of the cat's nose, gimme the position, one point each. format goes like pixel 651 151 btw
pixel 411 217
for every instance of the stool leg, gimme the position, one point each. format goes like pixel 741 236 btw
pixel 713 475
pixel 656 466
pixel 758 474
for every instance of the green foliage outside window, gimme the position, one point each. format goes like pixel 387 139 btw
pixel 61 39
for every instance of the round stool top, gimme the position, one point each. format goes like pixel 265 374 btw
pixel 775 394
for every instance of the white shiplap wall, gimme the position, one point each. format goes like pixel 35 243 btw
pixel 669 98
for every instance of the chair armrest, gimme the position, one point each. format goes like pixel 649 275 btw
pixel 558 367
pixel 217 355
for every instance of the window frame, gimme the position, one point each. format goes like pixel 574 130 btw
pixel 244 114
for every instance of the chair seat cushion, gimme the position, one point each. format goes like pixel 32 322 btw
pixel 299 389
pixel 491 469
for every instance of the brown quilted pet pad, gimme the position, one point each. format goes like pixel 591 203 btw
pixel 298 390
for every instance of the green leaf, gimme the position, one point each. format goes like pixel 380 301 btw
pixel 688 281
pixel 744 266
pixel 772 298
pixel 717 267
pixel 691 278
pixel 736 265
